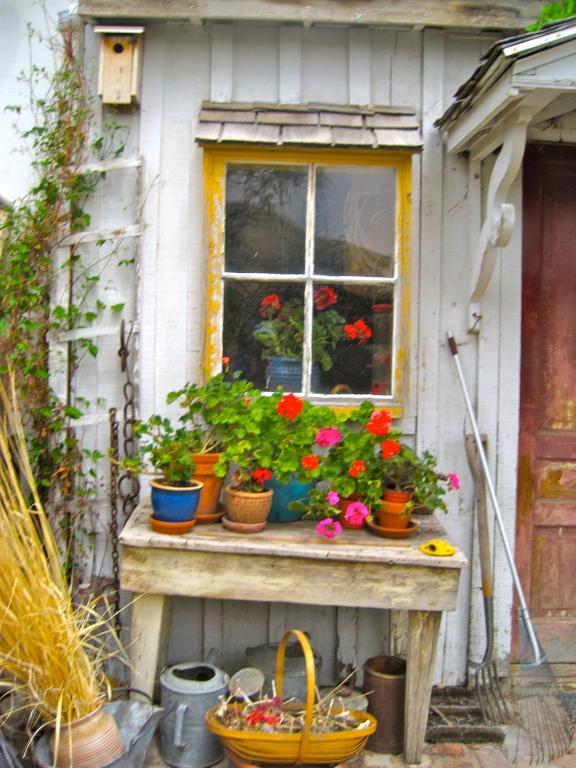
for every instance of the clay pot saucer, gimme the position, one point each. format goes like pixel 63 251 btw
pixel 243 527
pixel 392 533
pixel 176 529
pixel 215 517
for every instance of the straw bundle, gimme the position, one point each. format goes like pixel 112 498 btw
pixel 50 651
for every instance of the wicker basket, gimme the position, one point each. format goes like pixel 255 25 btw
pixel 295 748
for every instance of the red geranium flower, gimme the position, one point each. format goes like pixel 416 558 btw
pixel 379 423
pixel 261 475
pixel 309 462
pixel 269 303
pixel 358 331
pixel 390 448
pixel 324 297
pixel 289 407
pixel 357 468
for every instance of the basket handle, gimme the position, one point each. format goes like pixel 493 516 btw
pixel 310 682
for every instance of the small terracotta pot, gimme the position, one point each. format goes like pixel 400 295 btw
pixel 392 514
pixel 204 472
pixel 246 506
pixel 91 741
pixel 390 494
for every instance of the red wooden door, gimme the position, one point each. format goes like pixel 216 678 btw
pixel 546 519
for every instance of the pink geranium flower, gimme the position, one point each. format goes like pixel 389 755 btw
pixel 328 527
pixel 453 481
pixel 356 513
pixel 327 437
pixel 332 498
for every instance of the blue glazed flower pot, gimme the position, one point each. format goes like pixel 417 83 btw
pixel 174 503
pixel 284 493
pixel 287 373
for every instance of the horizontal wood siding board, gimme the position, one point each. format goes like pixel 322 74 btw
pixel 307 135
pixel 287 118
pixel 499 14
pixel 209 132
pixel 262 134
pixel 342 119
pixel 387 137
pixel 391 120
pixel 227 115
pixel 354 138
pixel 237 577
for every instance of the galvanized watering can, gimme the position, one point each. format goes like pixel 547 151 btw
pixel 187 691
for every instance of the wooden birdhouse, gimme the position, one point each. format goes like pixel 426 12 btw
pixel 120 64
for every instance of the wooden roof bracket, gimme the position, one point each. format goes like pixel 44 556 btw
pixel 500 214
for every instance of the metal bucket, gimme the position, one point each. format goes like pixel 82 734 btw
pixel 187 691
pixel 385 679
pixel 264 657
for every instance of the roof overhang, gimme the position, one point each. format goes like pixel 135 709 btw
pixel 532 78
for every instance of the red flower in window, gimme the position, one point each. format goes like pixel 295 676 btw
pixel 289 407
pixel 358 331
pixel 390 448
pixel 261 475
pixel 379 423
pixel 324 297
pixel 357 468
pixel 270 303
pixel 309 462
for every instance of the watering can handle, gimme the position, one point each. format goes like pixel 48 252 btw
pixel 179 725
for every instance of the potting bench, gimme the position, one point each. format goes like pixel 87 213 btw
pixel 377 572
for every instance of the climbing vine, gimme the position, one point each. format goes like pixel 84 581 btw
pixel 35 233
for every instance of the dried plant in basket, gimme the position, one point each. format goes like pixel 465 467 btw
pixel 51 652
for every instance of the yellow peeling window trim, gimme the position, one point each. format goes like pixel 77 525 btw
pixel 215 161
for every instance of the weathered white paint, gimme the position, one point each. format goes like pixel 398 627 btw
pixel 184 64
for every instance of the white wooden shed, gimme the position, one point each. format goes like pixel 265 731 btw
pixel 256 81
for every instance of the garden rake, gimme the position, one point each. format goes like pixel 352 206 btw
pixel 488 691
pixel 539 703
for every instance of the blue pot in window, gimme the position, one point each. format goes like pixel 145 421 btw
pixel 284 493
pixel 286 372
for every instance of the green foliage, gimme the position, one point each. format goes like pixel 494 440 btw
pixel 59 143
pixel 165 448
pixel 550 12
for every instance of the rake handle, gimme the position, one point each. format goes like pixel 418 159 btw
pixel 523 611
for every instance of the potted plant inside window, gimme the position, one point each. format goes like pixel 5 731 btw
pixel 281 334
pixel 204 414
pixel 168 451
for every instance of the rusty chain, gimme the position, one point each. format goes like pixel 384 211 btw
pixel 114 459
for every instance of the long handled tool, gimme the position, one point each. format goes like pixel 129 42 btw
pixel 488 690
pixel 539 702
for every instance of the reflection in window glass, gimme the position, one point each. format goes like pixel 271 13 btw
pixel 265 218
pixel 354 221
pixel 334 309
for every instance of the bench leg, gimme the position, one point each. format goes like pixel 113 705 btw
pixel 423 628
pixel 150 625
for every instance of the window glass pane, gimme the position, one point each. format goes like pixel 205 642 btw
pixel 352 339
pixel 263 332
pixel 355 221
pixel 265 227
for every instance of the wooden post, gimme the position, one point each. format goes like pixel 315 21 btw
pixel 423 627
pixel 150 625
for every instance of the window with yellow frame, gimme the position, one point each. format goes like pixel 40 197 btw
pixel 308 283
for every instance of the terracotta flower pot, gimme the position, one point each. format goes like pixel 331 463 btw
pixel 91 741
pixel 204 472
pixel 246 506
pixel 391 494
pixel 392 514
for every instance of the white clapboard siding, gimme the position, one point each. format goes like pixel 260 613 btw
pixel 185 64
